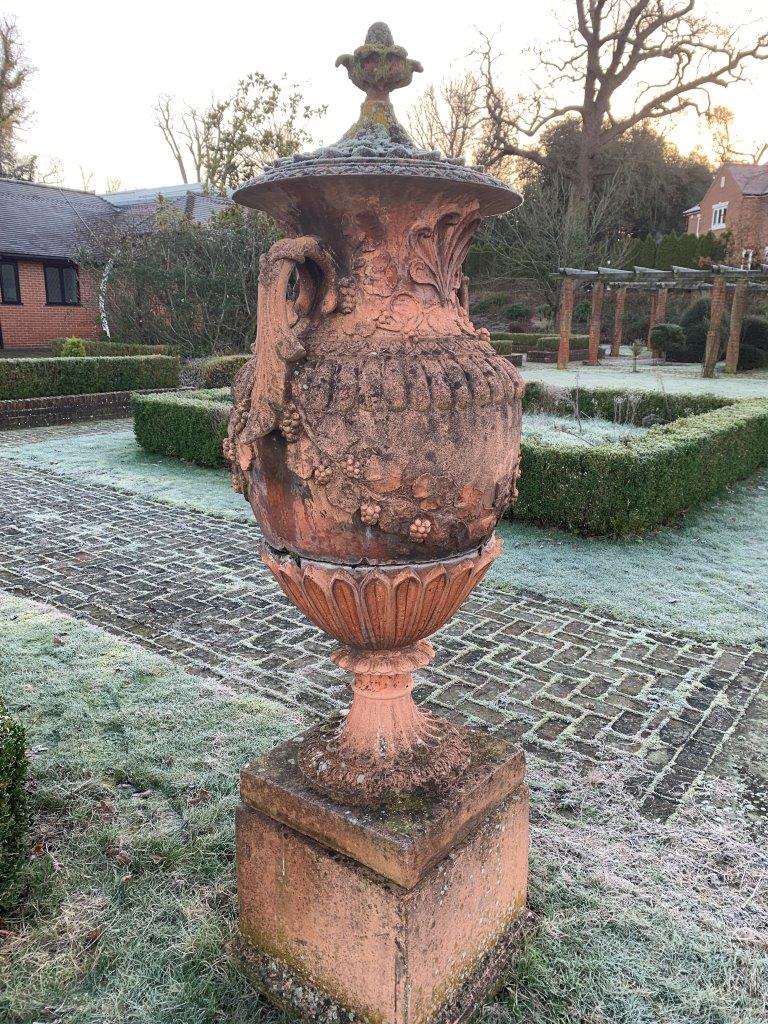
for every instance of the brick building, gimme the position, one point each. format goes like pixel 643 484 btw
pixel 43 294
pixel 737 203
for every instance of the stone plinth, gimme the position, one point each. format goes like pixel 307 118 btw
pixel 404 914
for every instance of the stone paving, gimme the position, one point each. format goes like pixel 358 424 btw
pixel 547 673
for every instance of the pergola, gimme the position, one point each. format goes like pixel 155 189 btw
pixel 719 280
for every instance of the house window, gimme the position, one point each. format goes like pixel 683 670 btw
pixel 718 215
pixel 9 283
pixel 61 285
pixel 747 256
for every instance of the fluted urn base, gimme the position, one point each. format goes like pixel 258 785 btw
pixel 385 746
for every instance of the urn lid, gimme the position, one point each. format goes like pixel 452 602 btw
pixel 377 145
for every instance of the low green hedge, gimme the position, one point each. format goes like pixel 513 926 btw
pixel 619 489
pixel 608 490
pixel 190 427
pixel 97 347
pixel 13 806
pixel 37 378
pixel 220 370
pixel 618 404
pixel 506 343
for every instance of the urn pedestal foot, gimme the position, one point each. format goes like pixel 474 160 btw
pixel 406 913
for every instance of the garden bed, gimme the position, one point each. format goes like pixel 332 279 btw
pixel 615 490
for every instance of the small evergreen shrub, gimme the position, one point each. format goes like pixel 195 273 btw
pixel 190 427
pixel 37 378
pixel 220 371
pixel 695 324
pixel 518 312
pixel 754 331
pixel 666 336
pixel 489 303
pixel 99 347
pixel 73 347
pixel 582 311
pixel 13 806
pixel 506 343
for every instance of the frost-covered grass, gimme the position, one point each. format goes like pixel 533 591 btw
pixel 116 460
pixel 705 575
pixel 584 432
pixel 676 379
pixel 130 889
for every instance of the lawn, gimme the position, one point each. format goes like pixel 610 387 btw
pixel 129 893
pixel 706 575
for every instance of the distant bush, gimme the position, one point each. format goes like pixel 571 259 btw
pixel 13 806
pixel 489 303
pixel 220 370
pixel 36 378
pixel 666 336
pixel 518 312
pixel 99 347
pixel 753 350
pixel 695 325
pixel 582 311
pixel 74 347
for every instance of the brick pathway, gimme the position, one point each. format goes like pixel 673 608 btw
pixel 530 668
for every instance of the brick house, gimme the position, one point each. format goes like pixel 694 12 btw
pixel 43 295
pixel 736 202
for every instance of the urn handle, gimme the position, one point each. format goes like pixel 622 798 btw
pixel 306 267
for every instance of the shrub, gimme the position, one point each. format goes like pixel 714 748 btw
pixel 518 311
pixel 695 324
pixel 35 378
pixel 489 303
pixel 220 370
pixel 617 404
pixel 73 347
pixel 665 336
pixel 617 490
pixel 98 347
pixel 190 427
pixel 752 358
pixel 13 806
pixel 754 331
pixel 582 311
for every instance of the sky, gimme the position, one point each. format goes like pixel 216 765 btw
pixel 101 66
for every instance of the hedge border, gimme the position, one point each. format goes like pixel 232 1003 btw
pixel 97 347
pixel 14 817
pixel 605 490
pixel 47 377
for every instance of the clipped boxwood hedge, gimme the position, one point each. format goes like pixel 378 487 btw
pixel 219 371
pixel 38 378
pixel 96 347
pixel 616 490
pixel 506 343
pixel 13 806
pixel 190 427
pixel 608 490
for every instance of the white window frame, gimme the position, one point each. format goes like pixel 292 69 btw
pixel 747 258
pixel 719 213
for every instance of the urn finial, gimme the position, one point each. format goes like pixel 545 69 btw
pixel 379 65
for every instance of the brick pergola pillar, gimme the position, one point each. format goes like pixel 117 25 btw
pixel 738 308
pixel 618 321
pixel 566 318
pixel 716 311
pixel 598 293
pixel 658 311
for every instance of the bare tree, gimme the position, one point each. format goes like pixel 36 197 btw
pixel 620 63
pixel 721 125
pixel 231 140
pixel 449 118
pixel 14 73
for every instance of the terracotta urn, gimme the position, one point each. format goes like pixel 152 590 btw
pixel 375 432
